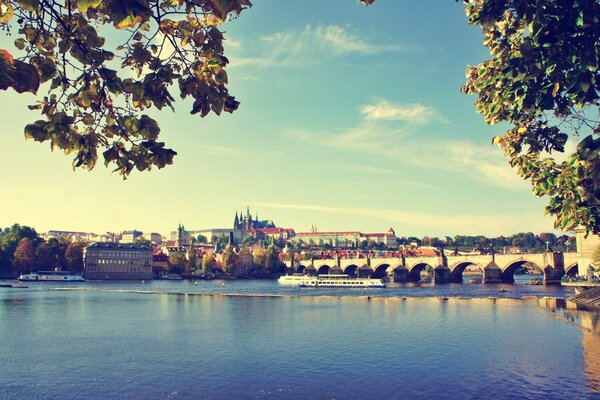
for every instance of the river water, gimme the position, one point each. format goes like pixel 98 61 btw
pixel 257 340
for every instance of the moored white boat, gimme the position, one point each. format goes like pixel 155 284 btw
pixel 171 277
pixel 292 280
pixel 341 280
pixel 51 276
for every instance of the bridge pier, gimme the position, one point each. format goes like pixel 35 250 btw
pixel 441 275
pixel 400 275
pixel 552 276
pixel 492 274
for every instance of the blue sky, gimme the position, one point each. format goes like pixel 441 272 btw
pixel 350 119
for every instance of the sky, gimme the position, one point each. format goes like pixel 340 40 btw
pixel 351 119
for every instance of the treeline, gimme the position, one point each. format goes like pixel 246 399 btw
pixel 526 242
pixel 22 250
pixel 234 260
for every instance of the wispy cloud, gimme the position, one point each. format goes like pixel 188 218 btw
pixel 309 46
pixel 355 168
pixel 471 161
pixel 218 150
pixel 388 130
pixel 415 113
pixel 465 224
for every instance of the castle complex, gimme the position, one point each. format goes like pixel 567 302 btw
pixel 247 223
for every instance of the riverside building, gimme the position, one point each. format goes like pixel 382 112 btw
pixel 117 261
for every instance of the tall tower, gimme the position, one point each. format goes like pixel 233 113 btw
pixel 179 235
pixel 236 221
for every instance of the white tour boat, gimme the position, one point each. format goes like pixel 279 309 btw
pixel 51 276
pixel 292 280
pixel 171 277
pixel 341 280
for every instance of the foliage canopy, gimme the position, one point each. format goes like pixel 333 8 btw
pixel 99 90
pixel 543 79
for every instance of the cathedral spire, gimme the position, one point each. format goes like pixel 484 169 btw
pixel 236 221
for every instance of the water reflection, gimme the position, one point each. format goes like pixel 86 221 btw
pixel 589 320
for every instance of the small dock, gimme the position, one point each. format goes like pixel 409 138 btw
pixel 580 285
pixel 588 298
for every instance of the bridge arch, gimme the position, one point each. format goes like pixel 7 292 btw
pixel 300 269
pixel 414 272
pixel 456 271
pixel 572 269
pixel 508 272
pixel 350 269
pixel 324 269
pixel 380 271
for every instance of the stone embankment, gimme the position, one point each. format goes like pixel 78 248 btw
pixel 589 298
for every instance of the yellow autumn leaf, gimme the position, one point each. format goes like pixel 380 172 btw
pixel 555 90
pixel 6 12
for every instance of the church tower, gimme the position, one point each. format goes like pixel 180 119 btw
pixel 236 221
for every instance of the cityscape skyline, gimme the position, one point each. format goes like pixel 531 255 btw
pixel 350 119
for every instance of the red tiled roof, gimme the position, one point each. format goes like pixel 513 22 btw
pixel 326 233
pixel 267 231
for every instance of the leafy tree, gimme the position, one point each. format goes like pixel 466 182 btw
pixel 74 256
pixel 24 256
pixel 223 240
pixel 192 259
pixel 144 242
pixel 596 257
pixel 201 239
pixel 249 240
pixel 272 259
pixel 176 262
pixel 228 258
pixel 57 250
pixel 5 265
pixel 12 236
pixel 245 260
pixel 259 258
pixel 98 93
pixel 543 79
pixel 44 257
pixel 208 263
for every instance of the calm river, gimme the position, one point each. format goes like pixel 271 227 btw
pixel 256 340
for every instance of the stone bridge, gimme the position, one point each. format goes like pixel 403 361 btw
pixel 496 268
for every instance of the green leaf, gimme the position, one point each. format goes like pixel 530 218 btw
pixel 29 5
pixel 7 70
pixel 20 43
pixel 27 78
pixel 45 66
pixel 84 5
pixel 127 14
pixel 36 131
pixel 6 12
